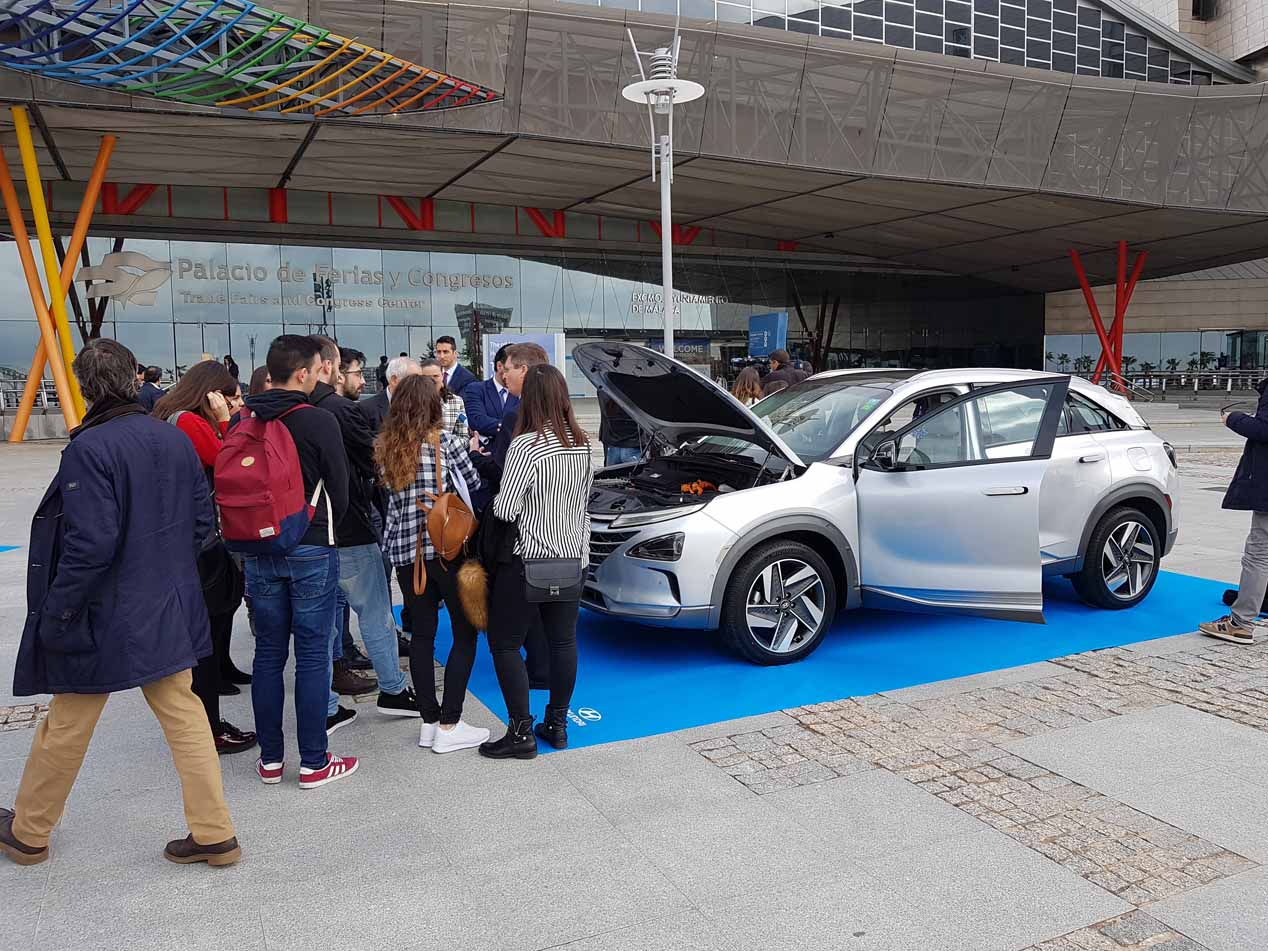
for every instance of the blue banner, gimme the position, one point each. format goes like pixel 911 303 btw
pixel 767 333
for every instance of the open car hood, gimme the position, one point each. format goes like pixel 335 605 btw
pixel 667 397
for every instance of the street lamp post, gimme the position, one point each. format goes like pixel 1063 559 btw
pixel 659 88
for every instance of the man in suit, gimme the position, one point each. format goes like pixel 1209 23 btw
pixel 150 392
pixel 489 400
pixel 375 409
pixel 457 377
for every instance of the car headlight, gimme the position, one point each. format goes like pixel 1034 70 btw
pixel 664 548
pixel 1171 454
pixel 658 515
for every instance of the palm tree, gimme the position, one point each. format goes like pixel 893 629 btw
pixel 1173 364
pixel 1084 365
pixel 1128 363
pixel 1192 363
pixel 1063 361
pixel 1048 358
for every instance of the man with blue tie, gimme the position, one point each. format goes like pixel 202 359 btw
pixel 457 377
pixel 489 400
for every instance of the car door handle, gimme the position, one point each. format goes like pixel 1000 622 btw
pixel 1093 457
pixel 1006 490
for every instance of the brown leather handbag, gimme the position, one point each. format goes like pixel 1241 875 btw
pixel 449 525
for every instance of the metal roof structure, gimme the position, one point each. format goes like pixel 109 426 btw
pixel 223 53
pixel 960 166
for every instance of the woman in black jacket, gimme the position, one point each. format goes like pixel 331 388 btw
pixel 544 492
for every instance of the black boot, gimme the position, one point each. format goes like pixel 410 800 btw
pixel 517 744
pixel 554 728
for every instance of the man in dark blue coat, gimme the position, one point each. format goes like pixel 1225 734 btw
pixel 114 602
pixel 488 401
pixel 1248 492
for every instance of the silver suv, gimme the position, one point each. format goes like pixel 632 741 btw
pixel 944 491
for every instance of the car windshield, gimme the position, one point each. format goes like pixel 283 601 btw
pixel 812 418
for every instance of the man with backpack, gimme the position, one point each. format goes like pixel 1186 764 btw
pixel 361 578
pixel 282 487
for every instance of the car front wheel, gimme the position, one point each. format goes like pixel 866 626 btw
pixel 779 602
pixel 1121 563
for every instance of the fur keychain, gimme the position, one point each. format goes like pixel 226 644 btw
pixel 473 592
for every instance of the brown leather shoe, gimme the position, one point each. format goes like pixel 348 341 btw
pixel 351 683
pixel 18 851
pixel 186 852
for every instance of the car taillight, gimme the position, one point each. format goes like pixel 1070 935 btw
pixel 1168 498
pixel 664 548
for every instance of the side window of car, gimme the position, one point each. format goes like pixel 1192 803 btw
pixel 1000 425
pixel 905 414
pixel 1008 422
pixel 1087 417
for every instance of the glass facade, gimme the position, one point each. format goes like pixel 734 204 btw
pixel 1064 35
pixel 235 298
pixel 1171 352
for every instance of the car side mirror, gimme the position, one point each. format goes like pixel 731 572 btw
pixel 885 456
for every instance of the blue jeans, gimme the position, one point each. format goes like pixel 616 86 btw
pixel 615 455
pixel 293 595
pixel 363 585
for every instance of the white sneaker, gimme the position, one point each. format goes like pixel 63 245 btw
pixel 462 737
pixel 427 736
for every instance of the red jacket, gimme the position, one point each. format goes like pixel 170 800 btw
pixel 205 439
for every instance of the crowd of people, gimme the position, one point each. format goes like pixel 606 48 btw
pixel 167 515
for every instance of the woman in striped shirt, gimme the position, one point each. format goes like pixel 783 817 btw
pixel 545 488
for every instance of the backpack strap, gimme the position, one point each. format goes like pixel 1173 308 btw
pixel 330 514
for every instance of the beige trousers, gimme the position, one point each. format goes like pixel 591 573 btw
pixel 61 741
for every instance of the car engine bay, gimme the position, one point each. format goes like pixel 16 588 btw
pixel 679 479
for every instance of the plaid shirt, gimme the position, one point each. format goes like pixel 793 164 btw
pixel 455 411
pixel 404 519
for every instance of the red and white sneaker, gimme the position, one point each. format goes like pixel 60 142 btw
pixel 270 773
pixel 337 767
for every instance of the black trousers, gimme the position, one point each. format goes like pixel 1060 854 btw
pixel 442 585
pixel 511 617
pixel 206 672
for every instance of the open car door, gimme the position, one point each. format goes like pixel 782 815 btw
pixel 949 505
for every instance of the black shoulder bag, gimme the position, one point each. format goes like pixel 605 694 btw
pixel 547 580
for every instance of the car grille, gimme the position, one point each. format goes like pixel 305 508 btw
pixel 602 544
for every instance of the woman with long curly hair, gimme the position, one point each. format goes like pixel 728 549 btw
pixel 406 454
pixel 200 406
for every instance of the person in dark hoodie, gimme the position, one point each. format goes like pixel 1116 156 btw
pixel 361 577
pixel 294 594
pixel 114 602
pixel 1248 492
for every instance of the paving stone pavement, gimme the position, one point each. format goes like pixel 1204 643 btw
pixel 951 746
pixel 23 716
pixel 1134 931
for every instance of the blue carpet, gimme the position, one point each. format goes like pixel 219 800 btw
pixel 638 681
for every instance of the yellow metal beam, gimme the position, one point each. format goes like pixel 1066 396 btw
pixel 52 268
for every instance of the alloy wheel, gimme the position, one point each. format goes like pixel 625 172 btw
pixel 1127 561
pixel 785 605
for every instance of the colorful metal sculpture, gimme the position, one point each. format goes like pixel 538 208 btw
pixel 229 53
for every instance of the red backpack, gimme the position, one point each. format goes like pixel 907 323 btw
pixel 260 488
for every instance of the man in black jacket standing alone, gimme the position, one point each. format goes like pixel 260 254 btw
pixel 361 578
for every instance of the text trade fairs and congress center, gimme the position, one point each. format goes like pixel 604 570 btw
pixel 906 180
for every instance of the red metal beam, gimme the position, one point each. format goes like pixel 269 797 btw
pixel 111 204
pixel 424 220
pixel 278 212
pixel 1107 347
pixel 554 227
pixel 682 234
